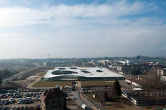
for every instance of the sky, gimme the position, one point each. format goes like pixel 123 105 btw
pixel 82 28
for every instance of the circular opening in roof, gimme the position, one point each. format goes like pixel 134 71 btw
pixel 84 71
pixel 99 71
pixel 73 68
pixel 63 72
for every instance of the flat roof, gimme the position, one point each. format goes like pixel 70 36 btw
pixel 146 95
pixel 92 72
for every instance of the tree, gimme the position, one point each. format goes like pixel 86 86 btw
pixel 152 80
pixel 136 71
pixel 0 78
pixel 7 72
pixel 117 89
pixel 105 96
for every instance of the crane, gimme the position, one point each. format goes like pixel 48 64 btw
pixel 47 55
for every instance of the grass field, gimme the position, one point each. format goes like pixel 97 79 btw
pixel 42 74
pixel 155 107
pixel 90 95
pixel 43 83
pixel 93 83
pixel 34 72
pixel 112 105
pixel 119 106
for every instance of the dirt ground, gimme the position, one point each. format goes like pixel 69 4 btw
pixel 34 72
pixel 117 106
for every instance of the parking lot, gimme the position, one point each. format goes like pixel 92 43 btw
pixel 20 99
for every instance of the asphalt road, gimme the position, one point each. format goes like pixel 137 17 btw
pixel 77 96
pixel 78 100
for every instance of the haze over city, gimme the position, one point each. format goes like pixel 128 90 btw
pixel 82 28
pixel 82 54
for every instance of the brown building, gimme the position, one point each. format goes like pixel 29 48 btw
pixel 53 99
pixel 161 71
pixel 146 98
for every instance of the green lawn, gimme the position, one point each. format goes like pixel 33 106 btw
pixel 95 83
pixel 42 74
pixel 43 83
pixel 119 106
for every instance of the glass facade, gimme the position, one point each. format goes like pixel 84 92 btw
pixel 71 77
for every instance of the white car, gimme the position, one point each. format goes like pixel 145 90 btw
pixel 83 106
pixel 13 108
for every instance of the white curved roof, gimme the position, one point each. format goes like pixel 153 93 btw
pixel 93 73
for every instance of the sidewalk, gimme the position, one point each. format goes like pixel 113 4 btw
pixel 38 78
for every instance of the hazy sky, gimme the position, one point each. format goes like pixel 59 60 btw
pixel 82 28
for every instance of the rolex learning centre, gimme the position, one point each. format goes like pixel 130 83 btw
pixel 82 73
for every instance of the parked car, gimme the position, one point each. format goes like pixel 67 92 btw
pixel 1 102
pixel 83 106
pixel 36 99
pixel 74 98
pixel 13 108
pixel 4 108
pixel 6 102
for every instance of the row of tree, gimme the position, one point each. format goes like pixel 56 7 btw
pixel 6 73
pixel 136 71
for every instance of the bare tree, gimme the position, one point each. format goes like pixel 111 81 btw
pixel 152 80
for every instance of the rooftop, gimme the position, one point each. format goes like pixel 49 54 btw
pixel 54 93
pixel 144 95
pixel 81 71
